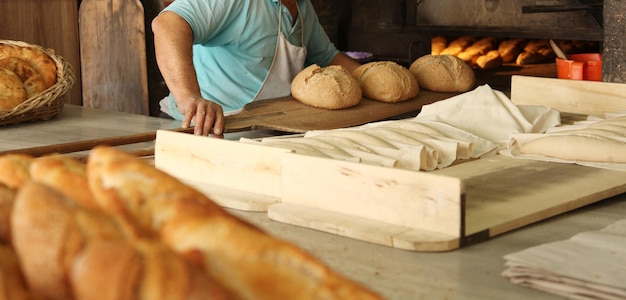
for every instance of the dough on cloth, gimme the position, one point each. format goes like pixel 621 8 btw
pixel 577 148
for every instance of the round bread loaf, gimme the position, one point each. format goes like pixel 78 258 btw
pixel 37 58
pixel 386 81
pixel 12 92
pixel 32 80
pixel 330 87
pixel 443 73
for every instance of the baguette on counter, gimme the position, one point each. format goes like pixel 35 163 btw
pixel 145 235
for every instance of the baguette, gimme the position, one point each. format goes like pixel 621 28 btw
pixel 67 175
pixel 247 261
pixel 70 252
pixel 14 173
pixel 12 284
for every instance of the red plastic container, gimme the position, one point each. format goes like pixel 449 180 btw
pixel 585 66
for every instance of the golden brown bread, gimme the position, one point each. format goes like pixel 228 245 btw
pixel 438 44
pixel 330 87
pixel 12 284
pixel 14 173
pixel 37 58
pixel 12 91
pixel 14 169
pixel 66 175
pixel 240 256
pixel 536 51
pixel 490 60
pixel 65 249
pixel 32 81
pixel 443 73
pixel 6 206
pixel 509 49
pixel 386 81
pixel 457 45
pixel 477 49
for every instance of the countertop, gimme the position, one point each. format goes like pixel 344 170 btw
pixel 472 272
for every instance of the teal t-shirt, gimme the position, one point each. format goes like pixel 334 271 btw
pixel 235 41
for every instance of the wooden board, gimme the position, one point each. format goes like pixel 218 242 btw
pixel 417 211
pixel 50 24
pixel 113 55
pixel 288 115
pixel 571 96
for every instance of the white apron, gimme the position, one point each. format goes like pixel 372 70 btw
pixel 288 62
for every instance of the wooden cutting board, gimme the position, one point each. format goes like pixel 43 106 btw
pixel 288 115
pixel 113 55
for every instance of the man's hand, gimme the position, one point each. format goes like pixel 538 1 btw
pixel 207 116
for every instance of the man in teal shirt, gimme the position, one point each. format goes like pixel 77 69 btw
pixel 218 55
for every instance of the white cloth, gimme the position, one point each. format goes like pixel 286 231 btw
pixel 590 265
pixel 517 141
pixel 288 62
pixel 489 114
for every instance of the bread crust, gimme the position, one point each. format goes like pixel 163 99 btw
pixel 12 284
pixel 12 92
pixel 443 73
pixel 66 175
pixel 38 59
pixel 330 87
pixel 33 82
pixel 386 81
pixel 242 257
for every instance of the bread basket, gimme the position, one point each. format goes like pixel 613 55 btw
pixel 47 104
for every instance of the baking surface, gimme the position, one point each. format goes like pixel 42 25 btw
pixel 472 272
pixel 76 124
pixel 288 115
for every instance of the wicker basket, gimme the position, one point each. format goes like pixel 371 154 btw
pixel 47 104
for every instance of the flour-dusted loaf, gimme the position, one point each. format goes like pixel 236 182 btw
pixel 386 81
pixel 443 73
pixel 331 87
pixel 240 256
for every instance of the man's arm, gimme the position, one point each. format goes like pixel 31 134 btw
pixel 173 41
pixel 345 61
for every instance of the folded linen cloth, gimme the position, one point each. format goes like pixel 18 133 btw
pixel 490 114
pixel 589 265
pixel 596 142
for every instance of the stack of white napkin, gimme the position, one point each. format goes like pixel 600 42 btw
pixel 590 265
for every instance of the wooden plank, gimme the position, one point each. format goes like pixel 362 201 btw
pixel 570 96
pixel 288 115
pixel 50 24
pixel 113 55
pixel 89 144
pixel 504 193
pixel 399 197
pixel 230 164
pixel 363 229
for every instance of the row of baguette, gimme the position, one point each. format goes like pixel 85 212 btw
pixel 491 52
pixel 118 228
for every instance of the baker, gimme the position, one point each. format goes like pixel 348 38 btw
pixel 218 55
